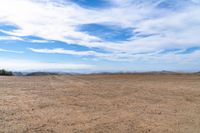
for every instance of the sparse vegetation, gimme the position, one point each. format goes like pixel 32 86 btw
pixel 5 73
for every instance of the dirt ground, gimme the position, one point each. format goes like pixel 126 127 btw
pixel 120 103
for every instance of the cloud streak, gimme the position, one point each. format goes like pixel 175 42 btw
pixel 28 65
pixel 67 52
pixel 11 51
pixel 172 56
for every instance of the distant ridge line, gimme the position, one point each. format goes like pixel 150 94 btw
pixel 96 73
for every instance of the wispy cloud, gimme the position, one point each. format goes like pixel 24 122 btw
pixel 173 56
pixel 11 51
pixel 10 38
pixel 59 21
pixel 28 65
pixel 67 52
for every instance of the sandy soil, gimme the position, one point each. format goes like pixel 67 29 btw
pixel 146 103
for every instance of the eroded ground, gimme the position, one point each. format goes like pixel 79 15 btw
pixel 146 103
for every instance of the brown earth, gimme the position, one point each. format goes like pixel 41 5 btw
pixel 120 103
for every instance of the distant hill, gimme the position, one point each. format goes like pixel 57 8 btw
pixel 18 73
pixel 41 74
pixel 164 72
pixel 9 73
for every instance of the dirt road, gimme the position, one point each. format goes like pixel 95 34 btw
pixel 138 103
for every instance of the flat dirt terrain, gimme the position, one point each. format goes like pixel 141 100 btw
pixel 118 103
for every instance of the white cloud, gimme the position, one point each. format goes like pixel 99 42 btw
pixel 58 21
pixel 27 65
pixel 11 51
pixel 153 56
pixel 39 41
pixel 10 38
pixel 67 52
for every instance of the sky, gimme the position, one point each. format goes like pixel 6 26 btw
pixel 100 35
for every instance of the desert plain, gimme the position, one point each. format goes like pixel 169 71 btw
pixel 100 103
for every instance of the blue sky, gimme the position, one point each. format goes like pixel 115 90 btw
pixel 100 35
